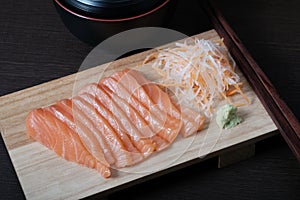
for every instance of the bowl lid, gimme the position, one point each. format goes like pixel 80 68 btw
pixel 111 9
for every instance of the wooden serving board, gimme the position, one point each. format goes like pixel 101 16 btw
pixel 44 175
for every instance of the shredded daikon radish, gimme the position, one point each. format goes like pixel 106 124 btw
pixel 198 73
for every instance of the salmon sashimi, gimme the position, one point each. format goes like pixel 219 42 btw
pixel 141 123
pixel 117 122
pixel 64 109
pixel 101 109
pixel 137 120
pixel 191 120
pixel 47 129
pixel 95 143
pixel 143 119
pixel 64 112
pixel 118 147
pixel 128 88
pixel 160 108
pixel 100 126
pixel 142 143
pixel 115 87
pixel 149 120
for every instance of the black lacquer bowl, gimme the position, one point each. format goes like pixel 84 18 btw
pixel 92 21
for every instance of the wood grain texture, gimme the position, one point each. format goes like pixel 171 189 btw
pixel 43 175
pixel 281 114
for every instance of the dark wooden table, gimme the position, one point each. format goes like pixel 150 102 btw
pixel 35 47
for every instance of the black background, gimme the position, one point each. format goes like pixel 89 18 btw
pixel 35 47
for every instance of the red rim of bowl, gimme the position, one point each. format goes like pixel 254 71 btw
pixel 111 20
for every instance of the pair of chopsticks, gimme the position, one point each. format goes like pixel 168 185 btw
pixel 280 113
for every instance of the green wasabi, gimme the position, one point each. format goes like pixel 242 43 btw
pixel 227 117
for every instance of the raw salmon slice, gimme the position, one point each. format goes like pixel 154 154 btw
pixel 160 108
pixel 135 155
pixel 191 120
pixel 122 156
pixel 142 117
pixel 141 122
pixel 118 122
pixel 118 90
pixel 65 114
pixel 50 131
pixel 95 143
pixel 122 117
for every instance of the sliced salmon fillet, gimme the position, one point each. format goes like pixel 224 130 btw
pixel 95 143
pixel 191 120
pixel 143 119
pixel 119 91
pixel 135 117
pixel 63 111
pixel 143 144
pixel 122 156
pixel 135 155
pixel 136 93
pixel 99 127
pixel 47 129
pixel 144 124
pixel 118 122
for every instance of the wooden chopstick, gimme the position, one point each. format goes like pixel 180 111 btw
pixel 283 117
